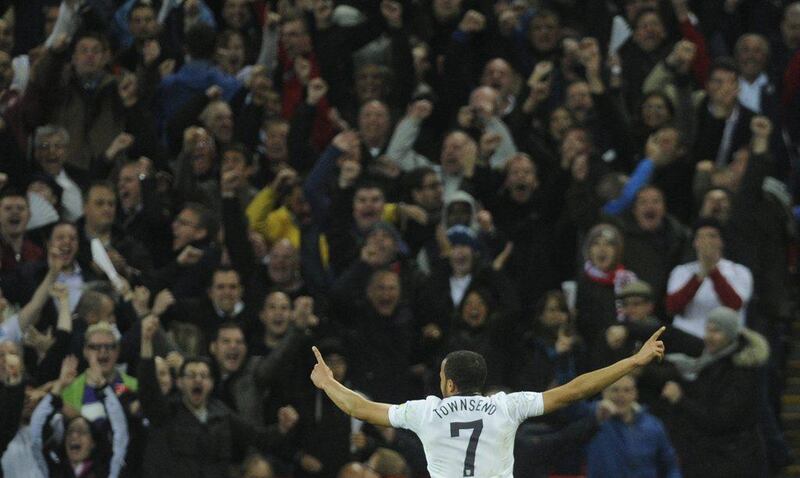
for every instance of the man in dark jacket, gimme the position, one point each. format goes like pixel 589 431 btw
pixel 655 242
pixel 712 405
pixel 244 381
pixel 195 436
pixel 129 256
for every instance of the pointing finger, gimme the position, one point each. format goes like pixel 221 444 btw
pixel 318 355
pixel 658 334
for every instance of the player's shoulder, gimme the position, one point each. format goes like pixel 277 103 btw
pixel 431 401
pixel 412 413
pixel 428 403
pixel 521 403
pixel 521 396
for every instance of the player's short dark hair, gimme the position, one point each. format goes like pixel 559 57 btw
pixel 466 369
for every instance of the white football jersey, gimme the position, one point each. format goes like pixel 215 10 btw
pixel 468 436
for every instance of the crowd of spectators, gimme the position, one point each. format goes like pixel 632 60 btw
pixel 194 192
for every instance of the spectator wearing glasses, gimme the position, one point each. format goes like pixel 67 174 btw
pixel 101 344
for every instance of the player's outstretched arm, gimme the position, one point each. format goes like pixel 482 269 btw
pixel 591 383
pixel 347 400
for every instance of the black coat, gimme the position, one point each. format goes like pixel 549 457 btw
pixel 714 426
pixel 381 352
pixel 653 255
pixel 179 445
pixel 539 367
pixel 596 308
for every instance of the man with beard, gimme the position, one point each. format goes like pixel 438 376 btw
pixel 194 434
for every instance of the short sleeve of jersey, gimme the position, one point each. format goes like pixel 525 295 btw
pixel 523 405
pixel 409 415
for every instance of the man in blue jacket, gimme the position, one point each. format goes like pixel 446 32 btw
pixel 631 443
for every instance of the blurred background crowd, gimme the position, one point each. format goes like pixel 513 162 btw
pixel 196 191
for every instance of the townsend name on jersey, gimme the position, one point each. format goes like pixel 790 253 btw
pixel 476 404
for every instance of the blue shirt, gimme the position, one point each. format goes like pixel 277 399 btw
pixel 640 449
pixel 194 78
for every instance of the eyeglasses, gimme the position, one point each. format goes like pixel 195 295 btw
pixel 99 347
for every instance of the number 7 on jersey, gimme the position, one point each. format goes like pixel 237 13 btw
pixel 477 428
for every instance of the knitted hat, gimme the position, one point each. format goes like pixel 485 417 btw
pixel 462 236
pixel 606 231
pixel 637 288
pixel 726 320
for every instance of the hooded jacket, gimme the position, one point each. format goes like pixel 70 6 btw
pixel 714 424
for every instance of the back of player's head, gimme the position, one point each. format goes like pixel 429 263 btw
pixel 466 369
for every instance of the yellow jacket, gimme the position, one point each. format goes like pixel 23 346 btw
pixel 277 224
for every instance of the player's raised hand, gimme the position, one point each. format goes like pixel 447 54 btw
pixel 653 348
pixel 322 373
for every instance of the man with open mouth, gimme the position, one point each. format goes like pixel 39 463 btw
pixel 15 246
pixel 194 434
pixel 80 398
